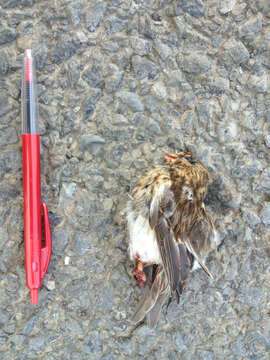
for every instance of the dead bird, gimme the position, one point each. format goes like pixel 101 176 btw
pixel 170 231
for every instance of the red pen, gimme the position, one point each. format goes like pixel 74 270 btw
pixel 37 257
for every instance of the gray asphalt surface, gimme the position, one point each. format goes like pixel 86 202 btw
pixel 121 83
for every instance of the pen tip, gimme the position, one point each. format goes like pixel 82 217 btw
pixel 34 296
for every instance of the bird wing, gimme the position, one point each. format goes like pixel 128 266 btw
pixel 199 239
pixel 162 219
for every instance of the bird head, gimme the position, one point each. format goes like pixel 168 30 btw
pixel 190 176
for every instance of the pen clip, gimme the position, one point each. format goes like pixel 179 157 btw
pixel 47 249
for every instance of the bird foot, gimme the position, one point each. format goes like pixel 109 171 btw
pixel 139 274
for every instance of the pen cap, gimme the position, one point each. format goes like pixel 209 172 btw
pixel 30 117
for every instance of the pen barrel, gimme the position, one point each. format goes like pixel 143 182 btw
pixel 32 212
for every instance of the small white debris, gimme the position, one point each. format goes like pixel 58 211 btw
pixel 225 6
pixel 67 259
pixel 50 285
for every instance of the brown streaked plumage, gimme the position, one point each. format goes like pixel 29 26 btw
pixel 170 232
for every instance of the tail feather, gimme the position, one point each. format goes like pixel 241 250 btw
pixel 151 299
pixel 153 315
pixel 157 288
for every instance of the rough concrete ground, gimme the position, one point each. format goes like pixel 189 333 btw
pixel 120 83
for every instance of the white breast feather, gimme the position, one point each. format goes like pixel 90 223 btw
pixel 142 240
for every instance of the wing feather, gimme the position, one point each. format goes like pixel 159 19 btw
pixel 199 239
pixel 162 217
